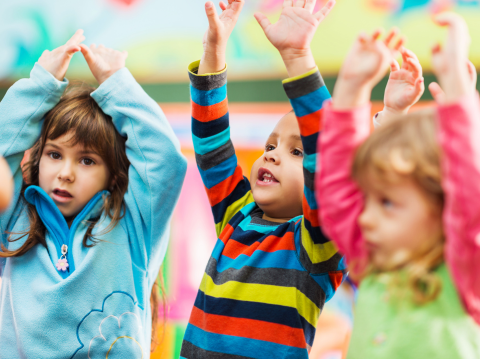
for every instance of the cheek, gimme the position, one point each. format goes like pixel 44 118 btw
pixel 254 171
pixel 46 173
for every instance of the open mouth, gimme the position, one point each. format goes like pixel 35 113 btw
pixel 61 193
pixel 266 176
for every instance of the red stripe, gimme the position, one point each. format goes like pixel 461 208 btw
pixel 270 244
pixel 209 113
pixel 220 191
pixel 336 279
pixel 248 328
pixel 310 214
pixel 226 233
pixel 311 123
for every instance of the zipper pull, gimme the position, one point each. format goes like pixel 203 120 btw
pixel 62 264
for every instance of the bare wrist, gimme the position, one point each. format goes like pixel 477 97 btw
pixel 298 62
pixel 211 62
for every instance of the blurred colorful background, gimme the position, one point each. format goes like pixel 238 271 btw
pixel 162 38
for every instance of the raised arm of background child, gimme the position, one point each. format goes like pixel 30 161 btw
pixel 459 134
pixel 346 126
pixel 22 111
pixel 404 88
pixel 292 35
pixel 157 167
pixel 6 185
pixel 227 189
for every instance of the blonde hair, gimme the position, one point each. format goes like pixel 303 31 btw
pixel 407 147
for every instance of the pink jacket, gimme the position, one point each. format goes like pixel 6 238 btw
pixel 341 201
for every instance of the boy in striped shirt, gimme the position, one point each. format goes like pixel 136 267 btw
pixel 272 269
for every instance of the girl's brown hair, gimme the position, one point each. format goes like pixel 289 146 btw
pixel 407 147
pixel 78 114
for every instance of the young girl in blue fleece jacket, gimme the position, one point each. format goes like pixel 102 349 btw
pixel 82 243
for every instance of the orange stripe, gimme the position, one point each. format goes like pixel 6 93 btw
pixel 311 123
pixel 226 233
pixel 310 214
pixel 336 279
pixel 220 191
pixel 233 249
pixel 248 328
pixel 209 113
pixel 270 244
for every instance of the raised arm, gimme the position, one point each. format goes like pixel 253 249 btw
pixel 459 134
pixel 346 126
pixel 22 111
pixel 157 167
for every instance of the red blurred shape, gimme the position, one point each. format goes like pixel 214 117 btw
pixel 124 2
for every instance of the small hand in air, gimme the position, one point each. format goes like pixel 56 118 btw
pixel 437 92
pixel 57 61
pixel 293 32
pixel 216 37
pixel 405 85
pixel 364 67
pixel 102 61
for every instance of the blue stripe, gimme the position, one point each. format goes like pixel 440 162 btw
pixel 323 280
pixel 310 103
pixel 310 162
pixel 207 129
pixel 208 98
pixel 217 251
pixel 232 345
pixel 312 202
pixel 208 144
pixel 219 173
pixel 284 259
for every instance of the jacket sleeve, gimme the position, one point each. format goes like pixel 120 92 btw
pixel 340 198
pixel 459 137
pixel 157 167
pixel 21 116
pixel 227 189
pixel 318 255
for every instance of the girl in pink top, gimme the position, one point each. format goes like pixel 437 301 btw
pixel 403 205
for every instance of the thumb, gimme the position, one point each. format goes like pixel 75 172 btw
pixel 70 50
pixel 437 92
pixel 262 21
pixel 211 14
pixel 87 53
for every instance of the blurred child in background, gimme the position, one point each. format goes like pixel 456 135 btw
pixel 272 268
pixel 401 206
pixel 86 234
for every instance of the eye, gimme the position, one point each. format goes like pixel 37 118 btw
pixel 297 152
pixel 269 148
pixel 388 204
pixel 54 155
pixel 87 161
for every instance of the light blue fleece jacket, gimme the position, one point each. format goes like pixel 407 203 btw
pixel 101 306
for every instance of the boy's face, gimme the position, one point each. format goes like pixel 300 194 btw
pixel 398 222
pixel 71 175
pixel 277 176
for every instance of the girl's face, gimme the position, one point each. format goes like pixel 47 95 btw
pixel 71 175
pixel 398 222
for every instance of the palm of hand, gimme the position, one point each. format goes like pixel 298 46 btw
pixel 221 34
pixel 366 62
pixel 294 29
pixel 401 92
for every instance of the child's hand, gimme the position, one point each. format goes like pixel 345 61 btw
pixel 102 61
pixel 293 33
pixel 6 184
pixel 56 61
pixel 216 38
pixel 363 68
pixel 439 95
pixel 405 85
pixel 449 62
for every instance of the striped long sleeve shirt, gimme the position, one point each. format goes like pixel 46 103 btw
pixel 266 282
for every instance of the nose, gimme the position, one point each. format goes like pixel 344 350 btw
pixel 66 173
pixel 272 156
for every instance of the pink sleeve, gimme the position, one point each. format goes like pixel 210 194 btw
pixel 459 136
pixel 340 200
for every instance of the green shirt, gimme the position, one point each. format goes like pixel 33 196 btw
pixel 385 328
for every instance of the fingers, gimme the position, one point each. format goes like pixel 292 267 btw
pixel 299 3
pixel 310 5
pixel 211 14
pixel 236 6
pixel 88 53
pixel 458 29
pixel 394 66
pixel 287 3
pixel 262 20
pixel 390 36
pixel 77 38
pixel 320 15
pixel 437 92
pixel 420 85
pixel 223 6
pixel 472 71
pixel 71 49
pixel 411 63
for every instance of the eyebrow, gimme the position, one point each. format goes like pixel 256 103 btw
pixel 276 135
pixel 84 152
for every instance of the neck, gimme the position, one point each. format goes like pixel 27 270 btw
pixel 278 220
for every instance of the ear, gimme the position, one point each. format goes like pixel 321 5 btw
pixel 112 183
